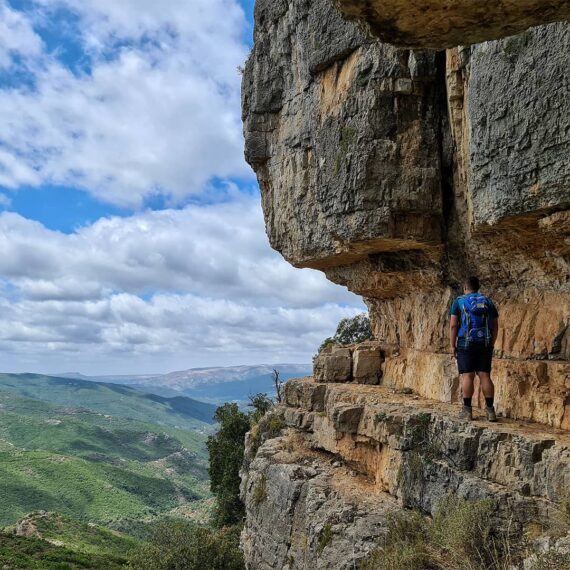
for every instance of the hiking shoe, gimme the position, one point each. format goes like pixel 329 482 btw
pixel 491 415
pixel 466 413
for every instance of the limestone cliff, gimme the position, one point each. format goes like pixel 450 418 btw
pixel 437 24
pixel 320 496
pixel 397 172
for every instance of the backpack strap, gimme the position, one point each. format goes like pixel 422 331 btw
pixel 466 320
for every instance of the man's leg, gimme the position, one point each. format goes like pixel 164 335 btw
pixel 467 386
pixel 486 384
pixel 489 391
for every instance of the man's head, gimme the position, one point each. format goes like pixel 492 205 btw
pixel 471 285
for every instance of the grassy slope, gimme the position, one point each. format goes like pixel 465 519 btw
pixel 91 466
pixel 23 553
pixel 79 536
pixel 112 399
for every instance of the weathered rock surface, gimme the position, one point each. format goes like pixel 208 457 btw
pixel 360 363
pixel 364 451
pixel 436 24
pixel 335 130
pixel 520 124
pixel 398 172
pixel 306 510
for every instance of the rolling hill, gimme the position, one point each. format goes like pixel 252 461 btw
pixel 111 399
pixel 109 454
pixel 47 541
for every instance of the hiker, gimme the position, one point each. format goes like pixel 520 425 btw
pixel 472 334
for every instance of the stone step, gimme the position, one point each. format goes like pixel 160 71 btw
pixel 418 450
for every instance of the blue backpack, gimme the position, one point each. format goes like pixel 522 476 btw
pixel 475 319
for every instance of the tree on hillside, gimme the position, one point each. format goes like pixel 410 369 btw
pixel 182 545
pixel 226 449
pixel 349 331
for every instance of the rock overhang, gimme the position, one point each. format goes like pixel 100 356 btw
pixel 435 24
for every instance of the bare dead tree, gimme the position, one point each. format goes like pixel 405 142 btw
pixel 278 385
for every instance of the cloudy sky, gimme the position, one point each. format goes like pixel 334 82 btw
pixel 131 236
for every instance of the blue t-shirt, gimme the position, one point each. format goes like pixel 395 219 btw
pixel 456 310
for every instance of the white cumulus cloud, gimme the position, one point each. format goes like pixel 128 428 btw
pixel 175 288
pixel 156 111
pixel 17 36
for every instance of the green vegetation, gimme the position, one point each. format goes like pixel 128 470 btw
pixel 92 491
pixel 94 467
pixel 76 535
pixel 268 427
pixel 181 545
pixel 325 538
pixel 26 553
pixel 261 404
pixel 461 536
pixel 122 471
pixel 110 399
pixel 226 450
pixel 349 331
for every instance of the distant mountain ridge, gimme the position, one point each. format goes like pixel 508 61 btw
pixel 215 384
pixel 111 398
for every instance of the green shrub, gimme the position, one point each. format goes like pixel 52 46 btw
pixel 30 553
pixel 463 530
pixel 349 331
pixel 182 546
pixel 226 450
pixel 261 404
pixel 404 546
pixel 325 538
pixel 268 427
pixel 461 536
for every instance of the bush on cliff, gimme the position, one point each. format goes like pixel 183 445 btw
pixel 461 536
pixel 350 331
pixel 268 427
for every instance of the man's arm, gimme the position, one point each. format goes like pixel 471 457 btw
pixel 453 330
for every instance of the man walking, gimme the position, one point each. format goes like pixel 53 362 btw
pixel 472 335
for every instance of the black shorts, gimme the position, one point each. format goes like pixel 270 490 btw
pixel 474 359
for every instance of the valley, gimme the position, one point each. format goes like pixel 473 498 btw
pixel 99 453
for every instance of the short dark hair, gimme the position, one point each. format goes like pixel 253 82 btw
pixel 472 283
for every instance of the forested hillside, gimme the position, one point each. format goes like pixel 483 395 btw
pixel 110 454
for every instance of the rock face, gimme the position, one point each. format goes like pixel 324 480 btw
pixel 312 513
pixel 397 173
pixel 321 495
pixel 436 24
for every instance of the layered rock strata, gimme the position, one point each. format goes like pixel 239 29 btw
pixel 321 495
pixel 306 510
pixel 436 24
pixel 398 172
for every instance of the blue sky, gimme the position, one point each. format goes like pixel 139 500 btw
pixel 67 207
pixel 131 236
